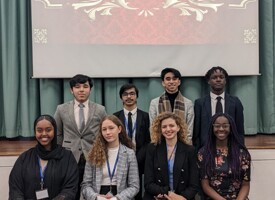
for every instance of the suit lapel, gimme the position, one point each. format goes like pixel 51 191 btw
pixel 178 163
pixel 121 165
pixel 227 103
pixel 121 116
pixel 207 106
pixel 138 122
pixel 90 115
pixel 162 160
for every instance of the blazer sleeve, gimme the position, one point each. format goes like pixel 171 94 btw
pixel 141 154
pixel 197 124
pixel 70 183
pixel 189 115
pixel 239 118
pixel 151 187
pixel 193 185
pixel 147 128
pixel 59 124
pixel 16 183
pixel 132 187
pixel 87 187
pixel 153 110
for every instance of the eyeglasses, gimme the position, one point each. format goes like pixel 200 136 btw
pixel 126 94
pixel 218 126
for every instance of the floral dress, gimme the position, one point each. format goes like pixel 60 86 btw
pixel 222 181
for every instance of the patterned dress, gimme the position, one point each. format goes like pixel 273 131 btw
pixel 223 181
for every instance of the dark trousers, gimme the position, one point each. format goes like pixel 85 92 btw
pixel 105 189
pixel 81 169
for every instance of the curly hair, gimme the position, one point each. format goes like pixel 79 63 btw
pixel 234 146
pixel 213 70
pixel 99 152
pixel 156 133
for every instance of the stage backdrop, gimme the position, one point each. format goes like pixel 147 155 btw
pixel 137 38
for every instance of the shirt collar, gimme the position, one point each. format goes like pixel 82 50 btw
pixel 86 103
pixel 132 111
pixel 214 96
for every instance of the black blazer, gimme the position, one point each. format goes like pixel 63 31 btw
pixel 203 115
pixel 142 135
pixel 156 178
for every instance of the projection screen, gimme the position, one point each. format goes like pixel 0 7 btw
pixel 138 38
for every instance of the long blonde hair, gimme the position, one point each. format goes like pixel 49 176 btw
pixel 156 133
pixel 99 152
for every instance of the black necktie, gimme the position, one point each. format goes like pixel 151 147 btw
pixel 81 117
pixel 219 105
pixel 130 125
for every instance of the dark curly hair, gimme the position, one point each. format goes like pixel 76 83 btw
pixel 214 69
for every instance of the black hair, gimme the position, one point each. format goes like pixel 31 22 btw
pixel 80 78
pixel 127 86
pixel 234 146
pixel 52 121
pixel 172 70
pixel 214 69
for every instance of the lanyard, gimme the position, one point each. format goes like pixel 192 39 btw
pixel 42 171
pixel 114 169
pixel 169 165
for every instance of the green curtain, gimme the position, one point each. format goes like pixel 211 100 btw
pixel 22 98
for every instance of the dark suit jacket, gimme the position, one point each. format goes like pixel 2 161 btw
pixel 185 172
pixel 203 115
pixel 142 135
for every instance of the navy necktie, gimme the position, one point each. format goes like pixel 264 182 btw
pixel 130 125
pixel 219 105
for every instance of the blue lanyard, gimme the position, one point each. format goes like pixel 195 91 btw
pixel 114 169
pixel 126 124
pixel 42 171
pixel 169 165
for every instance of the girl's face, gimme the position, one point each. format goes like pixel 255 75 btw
pixel 221 128
pixel 110 132
pixel 44 133
pixel 169 128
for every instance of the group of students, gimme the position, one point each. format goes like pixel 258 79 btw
pixel 105 156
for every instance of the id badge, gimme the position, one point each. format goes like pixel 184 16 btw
pixel 42 194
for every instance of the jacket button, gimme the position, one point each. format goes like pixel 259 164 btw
pixel 159 169
pixel 79 149
pixel 182 170
pixel 182 182
pixel 159 181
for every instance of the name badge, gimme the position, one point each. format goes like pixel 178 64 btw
pixel 42 194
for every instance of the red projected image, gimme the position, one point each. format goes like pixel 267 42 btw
pixel 151 22
pixel 87 36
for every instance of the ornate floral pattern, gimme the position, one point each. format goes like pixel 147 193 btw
pixel 40 36
pixel 186 7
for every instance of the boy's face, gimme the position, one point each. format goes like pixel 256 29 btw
pixel 217 82
pixel 81 91
pixel 171 83
pixel 129 97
